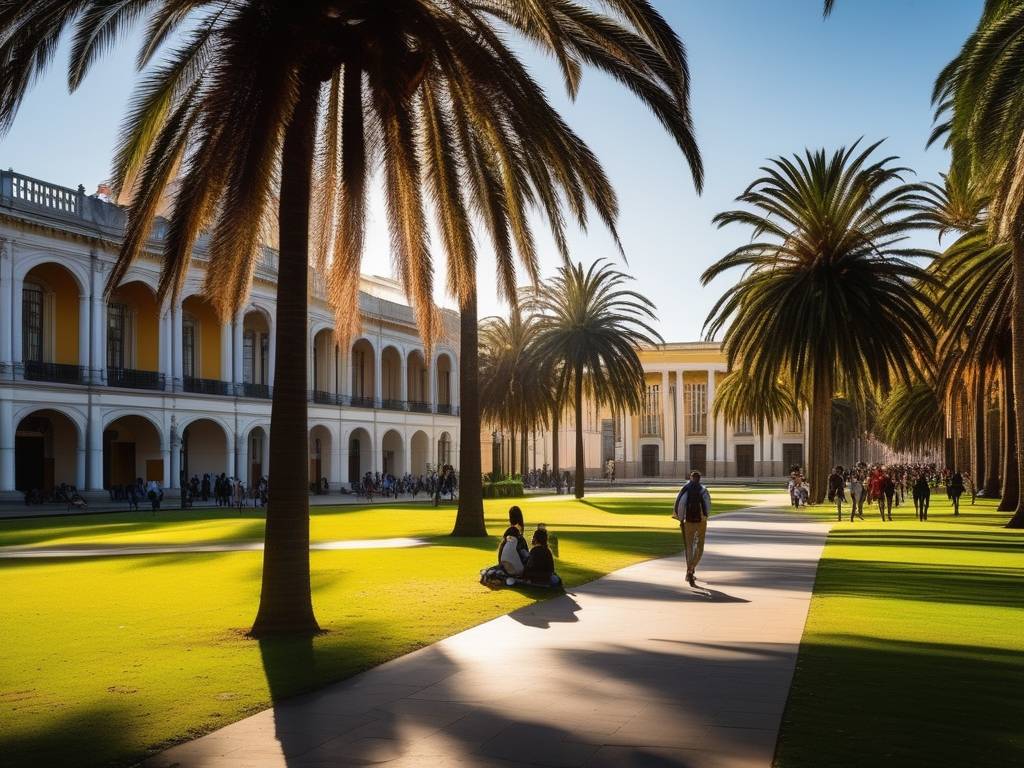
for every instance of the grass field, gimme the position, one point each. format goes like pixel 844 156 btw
pixel 105 658
pixel 913 653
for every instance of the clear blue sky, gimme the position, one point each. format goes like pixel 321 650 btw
pixel 769 77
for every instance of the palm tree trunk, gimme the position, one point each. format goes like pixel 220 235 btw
pixel 993 458
pixel 524 450
pixel 1013 384
pixel 469 521
pixel 978 470
pixel 555 425
pixel 286 604
pixel 820 435
pixel 580 459
pixel 512 455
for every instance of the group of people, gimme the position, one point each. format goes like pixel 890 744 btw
pixel 437 484
pixel 64 493
pixel 561 482
pixel 522 563
pixel 888 486
pixel 225 491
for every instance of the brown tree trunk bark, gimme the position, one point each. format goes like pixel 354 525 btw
pixel 980 390
pixel 1010 490
pixel 469 520
pixel 286 605
pixel 994 456
pixel 580 458
pixel 512 454
pixel 1013 479
pixel 820 446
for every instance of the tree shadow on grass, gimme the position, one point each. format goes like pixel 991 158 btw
pixel 937 538
pixel 95 735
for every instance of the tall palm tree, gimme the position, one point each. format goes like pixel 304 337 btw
pixel 592 326
pixel 514 394
pixel 979 100
pixel 828 299
pixel 911 418
pixel 267 105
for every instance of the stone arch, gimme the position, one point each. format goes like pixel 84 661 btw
pixel 419 452
pixel 49 450
pixel 444 449
pixel 26 262
pixel 132 448
pixel 359 443
pixel 54 319
pixel 363 372
pixel 257 452
pixel 392 450
pixel 205 448
pixel 321 444
pixel 391 376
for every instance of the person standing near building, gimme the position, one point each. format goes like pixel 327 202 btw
pixel 692 508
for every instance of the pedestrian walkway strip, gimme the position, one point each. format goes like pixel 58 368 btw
pixel 632 669
pixel 7 553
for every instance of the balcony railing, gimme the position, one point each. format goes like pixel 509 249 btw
pixel 393 405
pixel 59 373
pixel 263 391
pixel 135 379
pixel 206 386
pixel 446 408
pixel 326 398
pixel 419 406
pixel 360 401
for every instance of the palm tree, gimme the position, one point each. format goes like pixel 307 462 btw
pixel 911 418
pixel 979 100
pixel 592 327
pixel 514 394
pixel 828 299
pixel 266 106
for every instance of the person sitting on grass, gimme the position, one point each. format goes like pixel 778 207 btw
pixel 513 551
pixel 540 565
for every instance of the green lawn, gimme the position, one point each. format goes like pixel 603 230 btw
pixel 913 653
pixel 105 658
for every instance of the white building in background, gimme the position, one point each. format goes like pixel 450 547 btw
pixel 96 392
pixel 674 433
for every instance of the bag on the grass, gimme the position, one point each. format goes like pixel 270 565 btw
pixel 493 577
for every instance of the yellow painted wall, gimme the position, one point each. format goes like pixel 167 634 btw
pixel 682 354
pixel 146 316
pixel 59 281
pixel 208 336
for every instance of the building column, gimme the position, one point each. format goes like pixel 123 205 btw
pixel 17 344
pixel 98 334
pixel 271 352
pixel 432 383
pixel 80 456
pixel 175 458
pixel 667 433
pixel 7 300
pixel 7 427
pixel 177 356
pixel 378 382
pixel 403 382
pixel 84 351
pixel 238 329
pixel 166 354
pixel 681 453
pixel 242 460
pixel 712 427
pixel 226 366
pixel 231 441
pixel 95 449
pixel 345 376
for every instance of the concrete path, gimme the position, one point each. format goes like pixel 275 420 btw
pixel 634 669
pixel 9 553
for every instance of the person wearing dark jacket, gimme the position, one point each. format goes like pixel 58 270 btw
pixel 922 497
pixel 692 508
pixel 540 565
pixel 956 490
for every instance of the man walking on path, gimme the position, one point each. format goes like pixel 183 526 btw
pixel 693 505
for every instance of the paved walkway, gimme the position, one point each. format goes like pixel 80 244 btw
pixel 634 669
pixel 9 553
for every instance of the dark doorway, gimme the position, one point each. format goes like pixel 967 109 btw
pixel 649 461
pixel 744 461
pixel 29 463
pixel 354 474
pixel 699 458
pixel 792 456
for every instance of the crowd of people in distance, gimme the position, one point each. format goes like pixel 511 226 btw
pixel 225 491
pixel 436 484
pixel 888 486
pixel 521 563
pixel 561 482
pixel 64 493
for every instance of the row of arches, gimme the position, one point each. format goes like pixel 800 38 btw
pixel 50 448
pixel 59 333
